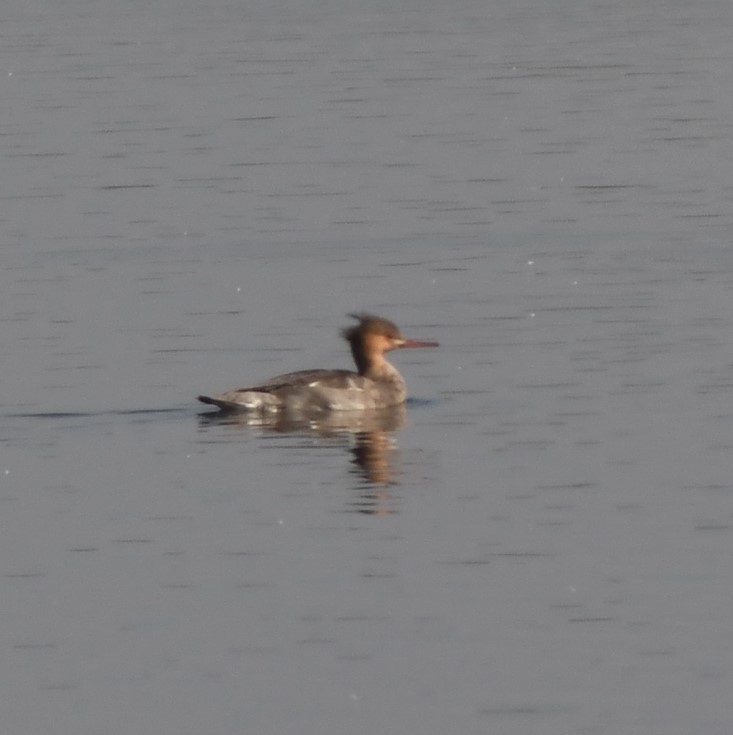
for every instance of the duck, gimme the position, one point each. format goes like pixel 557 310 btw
pixel 375 384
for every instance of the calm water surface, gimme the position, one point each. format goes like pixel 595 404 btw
pixel 194 195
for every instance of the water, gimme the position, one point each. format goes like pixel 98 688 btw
pixel 195 195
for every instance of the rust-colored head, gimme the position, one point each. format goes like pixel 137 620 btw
pixel 372 337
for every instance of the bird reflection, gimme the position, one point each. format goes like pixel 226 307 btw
pixel 372 444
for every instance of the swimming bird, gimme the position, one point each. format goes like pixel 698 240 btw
pixel 376 383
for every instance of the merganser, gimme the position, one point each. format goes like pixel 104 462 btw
pixel 376 385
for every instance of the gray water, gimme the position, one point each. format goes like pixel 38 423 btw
pixel 195 194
